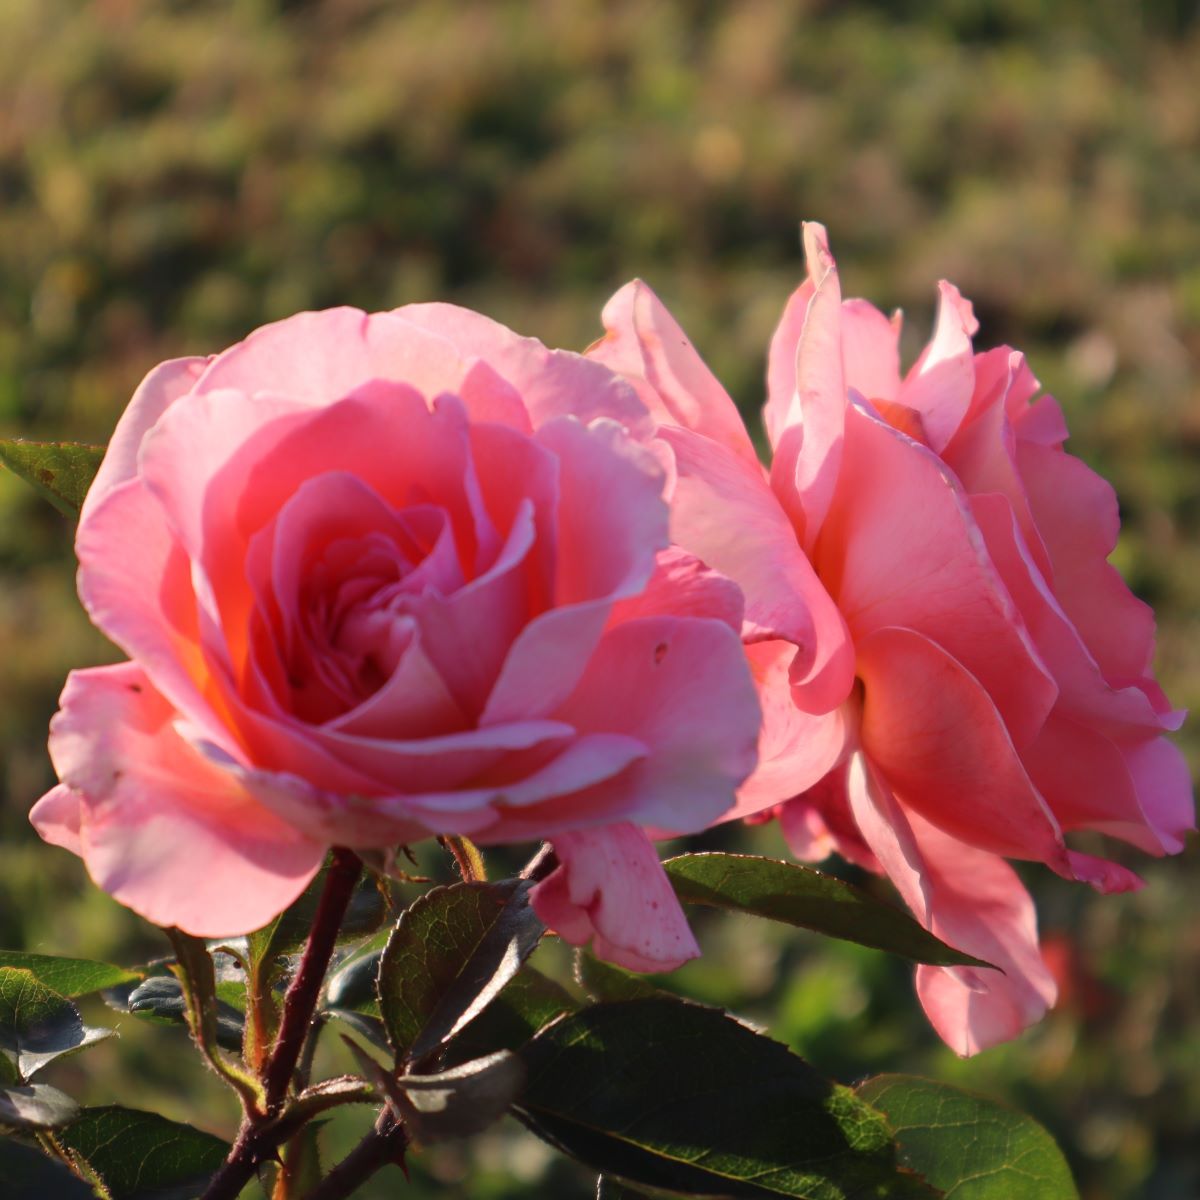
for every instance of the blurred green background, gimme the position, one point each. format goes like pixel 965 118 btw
pixel 174 173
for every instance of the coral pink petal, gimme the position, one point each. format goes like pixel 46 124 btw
pixel 645 345
pixel 612 519
pixel 1076 512
pixel 155 394
pixel 795 748
pixel 942 380
pixel 870 350
pixel 808 439
pixel 683 586
pixel 316 358
pixel 552 383
pixel 973 901
pixel 782 409
pixel 724 513
pixel 1164 787
pixel 1084 693
pixel 681 686
pixel 1085 779
pixel 934 734
pixel 610 888
pixel 902 549
pixel 163 829
pixel 819 822
pixel 56 817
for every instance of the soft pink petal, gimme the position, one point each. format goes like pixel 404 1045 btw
pixel 315 358
pixel 807 432
pixel 902 549
pixel 683 586
pixel 942 380
pixel 681 686
pixel 972 900
pixel 56 817
pixel 724 514
pixel 819 822
pixel 870 350
pixel 782 407
pixel 1076 513
pixel 163 829
pixel 610 889
pixel 155 394
pixel 645 345
pixel 1084 693
pixel 1164 786
pixel 551 383
pixel 934 735
pixel 795 748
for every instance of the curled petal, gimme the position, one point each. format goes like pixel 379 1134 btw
pixel 610 889
pixel 160 827
pixel 972 900
pixel 645 345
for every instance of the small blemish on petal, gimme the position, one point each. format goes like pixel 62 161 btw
pixel 660 652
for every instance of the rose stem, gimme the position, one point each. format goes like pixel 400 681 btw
pixel 384 1144
pixel 251 1147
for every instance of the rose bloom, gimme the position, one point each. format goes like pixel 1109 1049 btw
pixel 382 577
pixel 951 672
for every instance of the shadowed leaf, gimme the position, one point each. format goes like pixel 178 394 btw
pixel 142 1156
pixel 449 956
pixel 35 1106
pixel 29 1174
pixel 970 1147
pixel 796 895
pixel 70 977
pixel 672 1095
pixel 37 1025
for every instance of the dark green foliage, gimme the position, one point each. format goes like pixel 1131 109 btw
pixel 37 1025
pixel 70 977
pixel 142 1156
pixel 969 1146
pixel 801 896
pixel 29 1174
pixel 27 1107
pixel 450 954
pixel 677 1096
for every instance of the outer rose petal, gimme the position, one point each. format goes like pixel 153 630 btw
pixel 806 429
pixel 551 383
pixel 870 350
pixel 161 828
pixel 155 394
pixel 645 345
pixel 56 817
pixel 610 888
pixel 969 898
pixel 796 749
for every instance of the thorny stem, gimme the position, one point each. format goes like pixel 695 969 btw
pixel 259 1138
pixel 385 1144
pixel 467 858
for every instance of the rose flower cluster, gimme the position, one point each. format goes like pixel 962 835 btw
pixel 386 577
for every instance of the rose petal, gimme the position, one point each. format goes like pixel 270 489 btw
pixel 610 889
pixel 972 900
pixel 57 818
pixel 683 586
pixel 942 380
pixel 935 736
pixel 902 549
pixel 160 827
pixel 645 345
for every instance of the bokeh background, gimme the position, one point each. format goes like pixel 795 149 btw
pixel 175 172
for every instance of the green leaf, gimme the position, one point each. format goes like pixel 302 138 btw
pixel 37 1025
pixel 71 977
pixel 61 471
pixel 35 1106
pixel 672 1095
pixel 142 1156
pixel 29 1174
pixel 796 895
pixel 608 1188
pixel 352 982
pixel 970 1147
pixel 366 1026
pixel 161 998
pixel 527 1003
pixel 463 1100
pixel 449 956
pixel 602 981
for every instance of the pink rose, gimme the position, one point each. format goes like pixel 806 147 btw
pixel 381 577
pixel 950 671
